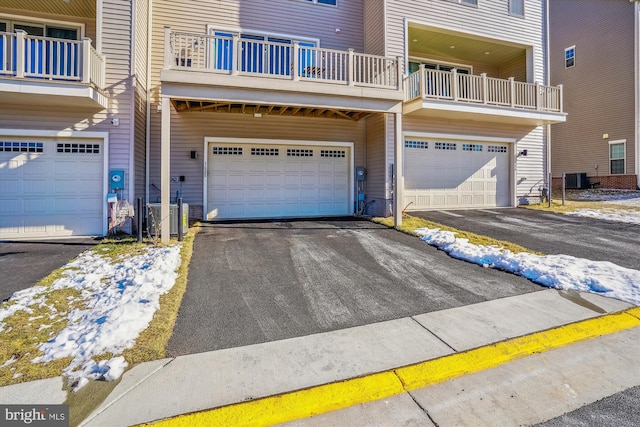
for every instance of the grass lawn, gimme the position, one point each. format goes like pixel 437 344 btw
pixel 411 223
pixel 22 332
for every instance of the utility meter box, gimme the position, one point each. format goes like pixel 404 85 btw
pixel 361 173
pixel 116 179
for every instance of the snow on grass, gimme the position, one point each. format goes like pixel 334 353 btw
pixel 555 271
pixel 119 300
pixel 611 195
pixel 617 215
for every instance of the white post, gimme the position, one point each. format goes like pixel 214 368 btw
pixel 20 54
pixel 165 170
pixel 86 60
pixel 399 181
pixel 169 62
pixel 454 84
pixel 351 68
pixel 423 82
pixel 235 59
pixel 399 71
pixel 538 99
pixel 512 91
pixel 560 101
pixel 295 72
pixel 485 88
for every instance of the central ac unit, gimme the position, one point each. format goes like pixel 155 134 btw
pixel 154 218
pixel 577 181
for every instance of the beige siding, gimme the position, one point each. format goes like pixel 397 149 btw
pixel 490 19
pixel 188 131
pixel 116 46
pixel 89 24
pixel 376 165
pixel 140 101
pixel 374 27
pixel 515 68
pixel 599 89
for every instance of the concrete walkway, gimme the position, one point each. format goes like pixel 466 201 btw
pixel 526 388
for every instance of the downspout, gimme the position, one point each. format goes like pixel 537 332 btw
pixel 148 106
pixel 547 79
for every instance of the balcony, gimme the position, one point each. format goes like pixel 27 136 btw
pixel 452 95
pixel 233 71
pixel 48 71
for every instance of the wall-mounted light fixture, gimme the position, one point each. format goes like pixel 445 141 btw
pixel 194 154
pixel 522 153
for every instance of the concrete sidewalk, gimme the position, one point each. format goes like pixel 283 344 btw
pixel 168 388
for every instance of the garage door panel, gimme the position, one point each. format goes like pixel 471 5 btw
pixel 299 181
pixel 455 174
pixel 48 193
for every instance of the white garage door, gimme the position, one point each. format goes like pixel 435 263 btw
pixel 50 188
pixel 455 174
pixel 276 181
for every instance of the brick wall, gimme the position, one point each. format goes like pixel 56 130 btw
pixel 623 182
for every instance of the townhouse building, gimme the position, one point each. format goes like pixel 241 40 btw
pixel 291 108
pixel 594 55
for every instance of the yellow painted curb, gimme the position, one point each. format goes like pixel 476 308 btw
pixel 329 397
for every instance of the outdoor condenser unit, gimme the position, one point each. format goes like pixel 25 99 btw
pixel 153 218
pixel 577 181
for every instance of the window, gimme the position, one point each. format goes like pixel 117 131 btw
pixel 446 146
pixel 616 157
pixel 497 148
pixel 3 26
pixel 327 2
pixel 227 151
pixel 299 152
pixel 471 147
pixel 570 57
pixel 265 151
pixel 259 53
pixel 422 145
pixel 414 65
pixel 467 2
pixel 332 153
pixel 516 7
pixel 22 147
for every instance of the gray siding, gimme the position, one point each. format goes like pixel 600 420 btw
pixel 599 89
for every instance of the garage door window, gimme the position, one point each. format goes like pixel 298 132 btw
pixel 265 151
pixel 298 152
pixel 21 147
pixel 446 146
pixel 79 148
pixel 332 153
pixel 227 151
pixel 471 147
pixel 497 149
pixel 421 145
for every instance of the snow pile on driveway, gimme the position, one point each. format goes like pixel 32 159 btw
pixel 555 271
pixel 119 298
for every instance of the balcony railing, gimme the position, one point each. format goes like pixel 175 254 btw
pixel 294 61
pixel 25 56
pixel 483 90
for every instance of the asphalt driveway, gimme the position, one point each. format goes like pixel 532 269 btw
pixel 24 263
pixel 254 282
pixel 549 233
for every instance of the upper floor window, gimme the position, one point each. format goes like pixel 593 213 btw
pixel 327 2
pixel 414 65
pixel 516 7
pixel 617 157
pixel 40 30
pixel 570 57
pixel 467 2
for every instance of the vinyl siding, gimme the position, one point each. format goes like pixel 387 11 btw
pixel 89 24
pixel 374 27
pixel 140 97
pixel 376 165
pixel 490 19
pixel 599 89
pixel 188 131
pixel 116 46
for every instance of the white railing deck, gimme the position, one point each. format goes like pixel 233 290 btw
pixel 480 89
pixel 295 61
pixel 27 57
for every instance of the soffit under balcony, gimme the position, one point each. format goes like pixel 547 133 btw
pixel 190 105
pixel 81 8
pixel 438 43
